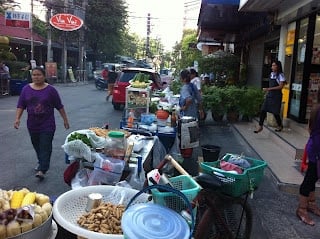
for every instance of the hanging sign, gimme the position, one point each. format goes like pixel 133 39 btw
pixel 18 19
pixel 66 22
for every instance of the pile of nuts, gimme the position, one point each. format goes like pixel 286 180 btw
pixel 106 218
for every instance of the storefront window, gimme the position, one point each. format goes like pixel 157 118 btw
pixel 314 81
pixel 297 82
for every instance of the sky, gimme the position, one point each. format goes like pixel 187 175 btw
pixel 167 17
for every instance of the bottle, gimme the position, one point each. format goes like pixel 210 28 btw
pixel 173 119
pixel 130 119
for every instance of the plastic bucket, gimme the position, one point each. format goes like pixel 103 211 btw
pixel 186 153
pixel 210 152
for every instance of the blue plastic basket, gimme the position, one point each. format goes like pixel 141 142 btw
pixel 186 184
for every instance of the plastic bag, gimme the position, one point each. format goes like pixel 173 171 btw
pixel 240 161
pixel 109 164
pixel 81 178
pixel 96 141
pixel 77 149
pixel 159 152
pixel 101 177
pixel 70 172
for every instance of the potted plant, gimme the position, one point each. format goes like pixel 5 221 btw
pixel 250 102
pixel 231 100
pixel 213 100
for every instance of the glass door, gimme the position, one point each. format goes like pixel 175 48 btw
pixel 314 82
pixel 296 86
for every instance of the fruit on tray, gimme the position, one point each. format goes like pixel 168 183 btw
pixel 21 211
pixel 140 80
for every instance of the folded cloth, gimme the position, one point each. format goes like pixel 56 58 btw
pixel 230 167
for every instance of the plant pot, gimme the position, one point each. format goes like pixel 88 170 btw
pixel 218 117
pixel 232 116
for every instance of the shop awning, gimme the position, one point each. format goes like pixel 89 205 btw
pixel 269 5
pixel 221 22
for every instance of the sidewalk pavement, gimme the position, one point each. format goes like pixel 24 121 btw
pixel 281 150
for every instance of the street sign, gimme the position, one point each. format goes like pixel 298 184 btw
pixel 17 19
pixel 66 22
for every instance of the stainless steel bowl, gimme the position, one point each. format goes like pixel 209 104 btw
pixel 43 231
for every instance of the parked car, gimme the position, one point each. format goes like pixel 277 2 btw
pixel 127 74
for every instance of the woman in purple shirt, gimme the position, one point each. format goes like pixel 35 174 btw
pixel 307 198
pixel 40 99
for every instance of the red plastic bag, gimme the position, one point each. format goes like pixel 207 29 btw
pixel 70 172
pixel 230 167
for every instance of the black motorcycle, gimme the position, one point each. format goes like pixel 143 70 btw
pixel 101 84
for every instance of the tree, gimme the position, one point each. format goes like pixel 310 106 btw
pixel 105 26
pixel 7 4
pixel 189 54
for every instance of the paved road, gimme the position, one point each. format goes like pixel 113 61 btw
pixel 274 216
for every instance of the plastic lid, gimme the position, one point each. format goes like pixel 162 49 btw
pixel 148 220
pixel 116 134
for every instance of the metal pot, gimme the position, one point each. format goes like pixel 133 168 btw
pixel 43 231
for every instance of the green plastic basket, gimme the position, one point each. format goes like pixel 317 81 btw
pixel 237 184
pixel 186 184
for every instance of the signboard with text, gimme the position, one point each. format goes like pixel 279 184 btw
pixel 66 22
pixel 18 19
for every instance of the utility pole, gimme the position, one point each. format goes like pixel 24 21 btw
pixel 65 51
pixel 49 33
pixel 31 31
pixel 81 39
pixel 148 37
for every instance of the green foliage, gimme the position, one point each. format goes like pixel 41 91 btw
pixel 213 99
pixel 7 4
pixel 105 27
pixel 188 55
pixel 39 26
pixel 175 86
pixel 246 100
pixel 251 101
pixel 6 55
pixel 221 63
pixel 18 69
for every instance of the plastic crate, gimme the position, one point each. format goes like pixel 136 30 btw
pixel 186 184
pixel 237 184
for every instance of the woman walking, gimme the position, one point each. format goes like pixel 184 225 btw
pixel 273 100
pixel 40 99
pixel 307 197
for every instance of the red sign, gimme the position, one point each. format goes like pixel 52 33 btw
pixel 17 23
pixel 66 22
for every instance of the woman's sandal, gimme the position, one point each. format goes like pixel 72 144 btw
pixel 258 130
pixel 302 214
pixel 313 208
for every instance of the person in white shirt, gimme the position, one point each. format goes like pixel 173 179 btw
pixel 4 77
pixel 195 79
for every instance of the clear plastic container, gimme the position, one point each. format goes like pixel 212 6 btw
pixel 116 145
pixel 148 220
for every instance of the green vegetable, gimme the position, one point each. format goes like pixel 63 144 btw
pixel 81 137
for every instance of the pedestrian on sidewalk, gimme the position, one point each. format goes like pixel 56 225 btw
pixel 273 98
pixel 307 198
pixel 40 99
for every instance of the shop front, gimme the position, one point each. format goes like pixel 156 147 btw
pixel 304 57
